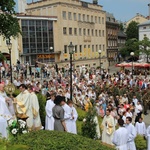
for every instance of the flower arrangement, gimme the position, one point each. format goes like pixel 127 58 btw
pixel 17 127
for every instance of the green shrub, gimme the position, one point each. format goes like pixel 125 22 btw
pixel 55 140
pixel 140 142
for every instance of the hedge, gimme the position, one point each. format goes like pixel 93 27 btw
pixel 55 140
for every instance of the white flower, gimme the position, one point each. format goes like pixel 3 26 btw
pixel 24 131
pixel 84 120
pixel 22 122
pixel 22 125
pixel 10 122
pixel 14 131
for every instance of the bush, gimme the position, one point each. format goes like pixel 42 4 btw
pixel 140 142
pixel 55 140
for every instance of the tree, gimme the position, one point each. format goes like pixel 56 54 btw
pixel 121 27
pixel 144 47
pixel 124 53
pixel 9 25
pixel 132 30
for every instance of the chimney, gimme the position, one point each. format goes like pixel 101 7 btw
pixel 149 11
pixel 95 2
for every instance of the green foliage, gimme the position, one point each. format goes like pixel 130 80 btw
pixel 132 30
pixel 89 125
pixel 9 25
pixel 55 140
pixel 140 142
pixel 42 103
pixel 124 53
pixel 121 27
pixel 2 57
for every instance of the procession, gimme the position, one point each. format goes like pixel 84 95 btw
pixel 120 99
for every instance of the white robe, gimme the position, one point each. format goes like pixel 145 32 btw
pixel 35 110
pixel 108 129
pixel 67 117
pixel 140 128
pixel 120 138
pixel 73 121
pixel 49 120
pixel 97 127
pixel 131 136
pixel 148 137
pixel 3 127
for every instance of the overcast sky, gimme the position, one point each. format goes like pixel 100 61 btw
pixel 123 10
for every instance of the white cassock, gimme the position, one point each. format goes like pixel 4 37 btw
pixel 140 128
pixel 5 115
pixel 148 137
pixel 49 120
pixel 108 125
pixel 67 117
pixel 35 110
pixel 131 136
pixel 73 120
pixel 120 138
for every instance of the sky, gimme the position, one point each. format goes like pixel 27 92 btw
pixel 123 10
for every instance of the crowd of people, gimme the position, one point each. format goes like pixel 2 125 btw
pixel 118 98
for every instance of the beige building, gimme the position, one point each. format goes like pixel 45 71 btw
pixel 14 51
pixel 82 23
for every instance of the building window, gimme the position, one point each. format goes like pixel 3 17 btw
pixel 103 33
pixel 88 32
pixel 64 15
pixel 96 48
pixel 144 27
pixel 80 31
pixel 92 32
pixel 100 47
pixel 79 17
pixel 65 49
pixel 83 17
pixel 69 16
pixel 75 31
pixel 88 46
pixel 99 32
pixel 87 18
pixel 103 47
pixel 80 48
pixel 76 50
pixel 91 18
pixel 64 30
pixel 102 20
pixel 75 16
pixel 84 31
pixel 84 46
pixel 92 48
pixel 95 32
pixel 95 19
pixel 99 20
pixel 70 31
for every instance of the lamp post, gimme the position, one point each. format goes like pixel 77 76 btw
pixel 71 51
pixel 99 51
pixel 132 54
pixel 9 45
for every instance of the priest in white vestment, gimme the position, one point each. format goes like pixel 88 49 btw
pixel 108 127
pixel 140 127
pixel 67 115
pixel 120 136
pixel 131 134
pixel 24 106
pixel 74 116
pixel 49 120
pixel 5 115
pixel 148 137
pixel 35 110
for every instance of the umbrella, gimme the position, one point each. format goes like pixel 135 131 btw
pixel 124 64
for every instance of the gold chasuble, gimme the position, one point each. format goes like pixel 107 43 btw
pixel 24 108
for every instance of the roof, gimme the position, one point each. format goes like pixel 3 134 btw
pixel 121 34
pixel 145 23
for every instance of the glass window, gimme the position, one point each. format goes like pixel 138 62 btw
pixel 64 15
pixel 99 20
pixel 95 32
pixel 70 31
pixel 75 31
pixel 80 48
pixel 102 20
pixel 92 32
pixel 84 31
pixel 80 31
pixel 65 49
pixel 87 18
pixel 96 48
pixel 99 32
pixel 92 48
pixel 103 33
pixel 79 17
pixel 76 50
pixel 75 16
pixel 69 16
pixel 88 31
pixel 95 19
pixel 91 18
pixel 64 30
pixel 84 17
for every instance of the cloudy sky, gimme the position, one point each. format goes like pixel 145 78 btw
pixel 123 10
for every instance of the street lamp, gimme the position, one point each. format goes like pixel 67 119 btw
pixel 9 45
pixel 100 51
pixel 71 51
pixel 51 48
pixel 132 54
